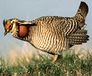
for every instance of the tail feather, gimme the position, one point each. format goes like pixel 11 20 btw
pixel 78 37
pixel 81 14
pixel 83 9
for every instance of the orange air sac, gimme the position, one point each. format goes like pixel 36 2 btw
pixel 23 31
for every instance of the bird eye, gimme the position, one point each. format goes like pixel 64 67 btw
pixel 10 27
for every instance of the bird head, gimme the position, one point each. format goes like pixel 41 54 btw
pixel 18 28
pixel 10 26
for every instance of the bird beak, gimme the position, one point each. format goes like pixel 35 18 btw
pixel 5 33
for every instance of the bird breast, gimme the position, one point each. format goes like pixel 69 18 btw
pixel 45 39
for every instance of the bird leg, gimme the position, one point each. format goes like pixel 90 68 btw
pixel 55 57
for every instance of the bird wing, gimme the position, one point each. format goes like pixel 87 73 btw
pixel 63 25
pixel 78 37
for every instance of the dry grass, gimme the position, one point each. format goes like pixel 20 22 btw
pixel 68 65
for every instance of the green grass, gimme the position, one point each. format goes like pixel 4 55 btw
pixel 69 65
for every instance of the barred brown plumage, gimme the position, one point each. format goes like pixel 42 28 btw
pixel 52 34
